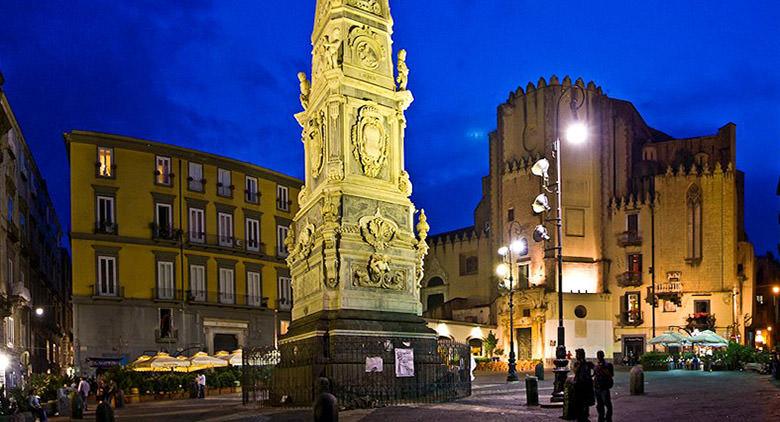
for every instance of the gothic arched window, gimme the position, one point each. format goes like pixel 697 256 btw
pixel 694 238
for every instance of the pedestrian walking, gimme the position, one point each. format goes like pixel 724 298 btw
pixel 603 380
pixel 83 391
pixel 583 386
pixel 34 400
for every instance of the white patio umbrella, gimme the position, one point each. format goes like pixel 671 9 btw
pixel 202 360
pixel 158 363
pixel 669 338
pixel 234 358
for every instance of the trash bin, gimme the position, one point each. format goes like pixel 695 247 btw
pixel 531 391
pixel 539 371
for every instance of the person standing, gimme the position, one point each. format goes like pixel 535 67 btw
pixel 83 391
pixel 202 386
pixel 34 400
pixel 583 386
pixel 603 380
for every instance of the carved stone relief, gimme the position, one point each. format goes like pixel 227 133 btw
pixel 371 6
pixel 377 231
pixel 404 184
pixel 336 170
pixel 378 274
pixel 366 48
pixel 316 143
pixel 370 140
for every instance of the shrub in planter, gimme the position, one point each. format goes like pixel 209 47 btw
pixel 655 361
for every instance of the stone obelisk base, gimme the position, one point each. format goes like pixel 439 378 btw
pixel 356 352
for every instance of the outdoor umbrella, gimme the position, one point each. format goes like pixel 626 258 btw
pixel 710 338
pixel 161 362
pixel 669 338
pixel 201 360
pixel 235 358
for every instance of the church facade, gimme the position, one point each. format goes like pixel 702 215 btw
pixel 647 220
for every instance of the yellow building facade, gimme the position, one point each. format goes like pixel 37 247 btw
pixel 174 249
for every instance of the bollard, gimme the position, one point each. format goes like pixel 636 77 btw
pixel 636 381
pixel 539 371
pixel 569 411
pixel 326 408
pixel 531 391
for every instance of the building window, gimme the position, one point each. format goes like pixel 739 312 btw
pixel 694 201
pixel 254 289
pixel 106 277
pixel 284 326
pixel 195 181
pixel 281 234
pixel 166 323
pixel 105 162
pixel 285 293
pixel 523 274
pixel 163 221
pixel 225 229
pixel 435 281
pixel 165 282
pixel 635 265
pixel 760 299
pixel 197 225
pixel 227 286
pixel 282 198
pixel 10 328
pixel 251 193
pixel 198 283
pixel 162 170
pixel 510 214
pixel 252 235
pixel 632 306
pixel 701 307
pixel 475 344
pixel 469 265
pixel 105 215
pixel 224 185
pixel 632 223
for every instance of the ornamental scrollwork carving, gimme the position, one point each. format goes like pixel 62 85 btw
pixel 378 274
pixel 404 183
pixel 300 249
pixel 303 195
pixel 371 6
pixel 316 144
pixel 377 231
pixel 336 171
pixel 367 51
pixel 369 140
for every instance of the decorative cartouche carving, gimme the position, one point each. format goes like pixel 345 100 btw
pixel 303 246
pixel 403 71
pixel 371 6
pixel 369 140
pixel 379 275
pixel 303 195
pixel 305 90
pixel 404 184
pixel 336 171
pixel 377 230
pixel 366 47
pixel 316 144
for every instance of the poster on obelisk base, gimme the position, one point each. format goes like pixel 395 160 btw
pixel 404 363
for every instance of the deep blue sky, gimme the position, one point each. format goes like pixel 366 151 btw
pixel 220 76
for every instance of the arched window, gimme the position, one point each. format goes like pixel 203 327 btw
pixel 435 281
pixel 693 200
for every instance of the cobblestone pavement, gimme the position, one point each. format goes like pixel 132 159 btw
pixel 676 395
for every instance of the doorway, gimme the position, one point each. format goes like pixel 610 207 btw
pixel 227 342
pixel 633 348
pixel 524 343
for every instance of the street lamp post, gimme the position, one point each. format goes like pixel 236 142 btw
pixel 575 133
pixel 516 249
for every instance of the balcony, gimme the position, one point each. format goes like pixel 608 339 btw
pixel 631 318
pixel 629 279
pixel 166 294
pixel 103 227
pixel 163 232
pixel 170 336
pixel 284 304
pixel 221 298
pixel 251 196
pixel 225 243
pixel 107 291
pixel 629 238
pixel 671 291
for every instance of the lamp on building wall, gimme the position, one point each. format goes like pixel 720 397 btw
pixel 576 133
pixel 518 246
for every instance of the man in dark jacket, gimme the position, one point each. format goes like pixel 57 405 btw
pixel 583 385
pixel 603 381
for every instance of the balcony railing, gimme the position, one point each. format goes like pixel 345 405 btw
pixel 164 232
pixel 166 293
pixel 631 318
pixel 629 238
pixel 221 298
pixel 103 227
pixel 114 291
pixel 672 287
pixel 166 337
pixel 251 196
pixel 284 304
pixel 629 279
pixel 225 242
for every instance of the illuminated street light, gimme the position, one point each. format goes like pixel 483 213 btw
pixel 519 247
pixel 39 311
pixel 540 234
pixel 502 270
pixel 540 168
pixel 503 251
pixel 776 290
pixel 510 254
pixel 541 204
pixel 577 133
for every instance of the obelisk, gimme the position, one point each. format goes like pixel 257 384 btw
pixel 354 257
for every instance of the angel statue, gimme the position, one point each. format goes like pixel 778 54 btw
pixel 305 90
pixel 403 71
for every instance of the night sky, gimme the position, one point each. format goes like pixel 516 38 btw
pixel 220 76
